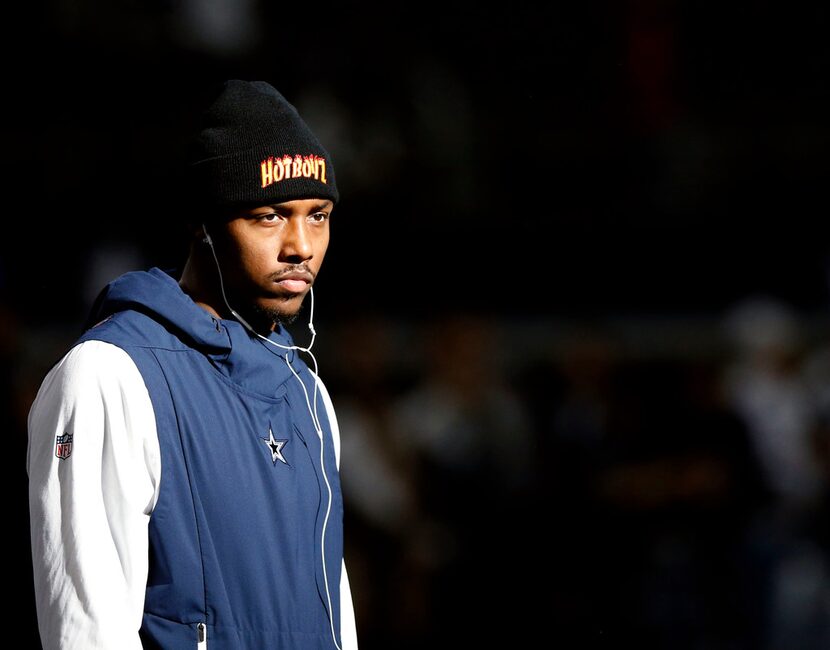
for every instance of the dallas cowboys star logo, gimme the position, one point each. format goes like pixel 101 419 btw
pixel 275 446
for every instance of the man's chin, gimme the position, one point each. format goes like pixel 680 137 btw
pixel 283 313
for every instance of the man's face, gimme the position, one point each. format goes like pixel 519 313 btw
pixel 270 256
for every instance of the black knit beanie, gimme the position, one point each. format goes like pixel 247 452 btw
pixel 253 148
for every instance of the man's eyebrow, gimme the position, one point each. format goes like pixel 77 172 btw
pixel 324 204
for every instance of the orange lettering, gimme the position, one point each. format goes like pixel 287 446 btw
pixel 267 172
pixel 274 170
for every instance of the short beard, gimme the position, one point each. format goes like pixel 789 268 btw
pixel 275 316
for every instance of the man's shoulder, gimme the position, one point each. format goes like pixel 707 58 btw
pixel 88 377
pixel 83 369
pixel 92 357
pixel 132 329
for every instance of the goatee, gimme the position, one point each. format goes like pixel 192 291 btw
pixel 275 315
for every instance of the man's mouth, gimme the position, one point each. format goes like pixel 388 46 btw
pixel 295 281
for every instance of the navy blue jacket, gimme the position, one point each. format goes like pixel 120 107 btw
pixel 236 536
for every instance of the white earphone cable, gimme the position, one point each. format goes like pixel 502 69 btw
pixel 311 410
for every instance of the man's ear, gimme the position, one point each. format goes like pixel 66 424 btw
pixel 196 231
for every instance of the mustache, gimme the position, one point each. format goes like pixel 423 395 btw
pixel 276 276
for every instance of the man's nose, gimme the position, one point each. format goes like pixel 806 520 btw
pixel 296 244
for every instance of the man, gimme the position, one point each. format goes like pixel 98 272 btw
pixel 183 459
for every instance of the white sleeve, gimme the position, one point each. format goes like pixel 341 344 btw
pixel 348 625
pixel 335 428
pixel 94 469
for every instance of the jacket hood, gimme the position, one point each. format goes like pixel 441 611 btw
pixel 241 356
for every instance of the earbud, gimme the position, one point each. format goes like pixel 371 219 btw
pixel 206 240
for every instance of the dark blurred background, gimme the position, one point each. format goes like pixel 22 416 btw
pixel 575 311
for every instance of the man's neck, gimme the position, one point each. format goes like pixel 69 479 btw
pixel 192 284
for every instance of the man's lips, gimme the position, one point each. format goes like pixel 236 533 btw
pixel 295 282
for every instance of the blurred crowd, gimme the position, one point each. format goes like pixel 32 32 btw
pixel 587 483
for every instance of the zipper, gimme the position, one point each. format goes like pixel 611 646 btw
pixel 201 628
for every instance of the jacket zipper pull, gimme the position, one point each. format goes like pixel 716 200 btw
pixel 202 636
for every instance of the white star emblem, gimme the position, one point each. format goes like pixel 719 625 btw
pixel 275 446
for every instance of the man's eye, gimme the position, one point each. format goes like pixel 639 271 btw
pixel 319 217
pixel 271 217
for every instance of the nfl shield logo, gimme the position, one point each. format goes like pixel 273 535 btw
pixel 63 446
